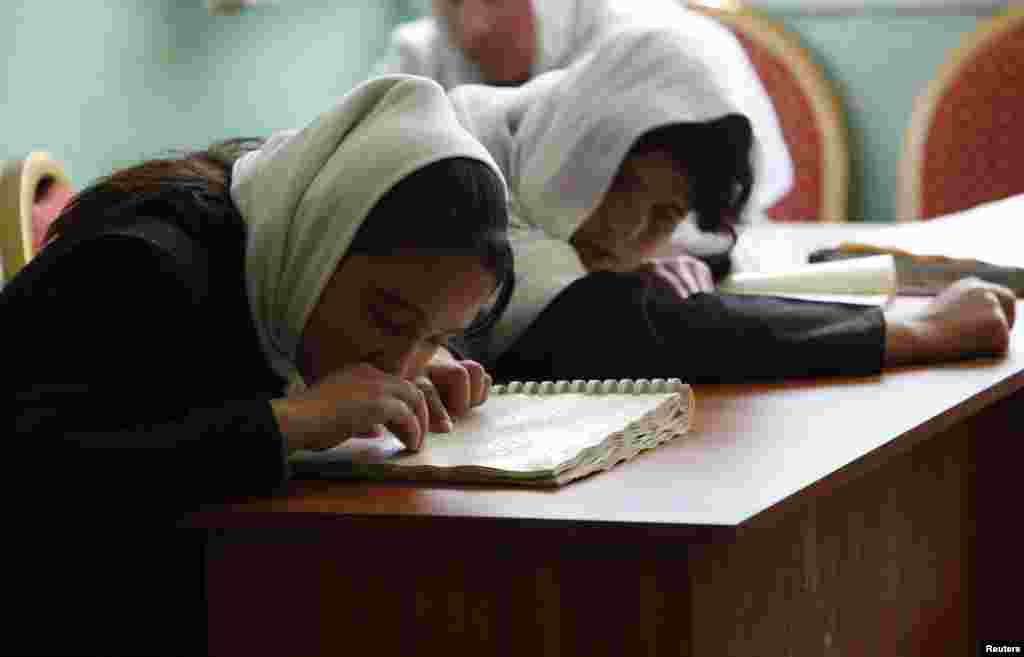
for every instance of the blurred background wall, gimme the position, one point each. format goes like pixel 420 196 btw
pixel 879 59
pixel 103 83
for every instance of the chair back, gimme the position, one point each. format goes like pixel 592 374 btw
pixel 809 112
pixel 33 192
pixel 965 142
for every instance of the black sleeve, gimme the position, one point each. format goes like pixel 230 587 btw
pixel 611 325
pixel 458 346
pixel 111 385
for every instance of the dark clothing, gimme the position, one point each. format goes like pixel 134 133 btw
pixel 136 389
pixel 609 325
pixel 130 370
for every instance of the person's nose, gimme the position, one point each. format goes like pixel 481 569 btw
pixel 476 23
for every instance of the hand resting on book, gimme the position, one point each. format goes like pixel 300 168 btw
pixel 362 400
pixel 350 402
pixel 532 433
pixel 452 387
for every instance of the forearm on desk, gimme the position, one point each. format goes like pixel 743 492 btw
pixel 902 339
pixel 706 338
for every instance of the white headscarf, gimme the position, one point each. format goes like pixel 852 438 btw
pixel 562 138
pixel 565 30
pixel 305 193
pixel 568 29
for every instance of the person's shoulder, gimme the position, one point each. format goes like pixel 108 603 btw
pixel 146 258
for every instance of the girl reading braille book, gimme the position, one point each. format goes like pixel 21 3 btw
pixel 191 321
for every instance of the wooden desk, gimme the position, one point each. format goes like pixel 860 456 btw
pixel 838 517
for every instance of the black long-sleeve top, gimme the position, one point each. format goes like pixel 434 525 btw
pixel 133 367
pixel 133 388
pixel 624 325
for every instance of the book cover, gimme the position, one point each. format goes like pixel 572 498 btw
pixel 873 276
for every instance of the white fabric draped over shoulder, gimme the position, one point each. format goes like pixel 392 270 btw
pixel 561 138
pixel 305 193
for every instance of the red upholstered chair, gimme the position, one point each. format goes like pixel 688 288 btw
pixel 33 192
pixel 809 111
pixel 965 142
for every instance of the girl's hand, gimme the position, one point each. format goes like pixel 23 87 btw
pixel 357 400
pixel 685 274
pixel 452 387
pixel 970 318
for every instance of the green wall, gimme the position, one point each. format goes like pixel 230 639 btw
pixel 879 63
pixel 103 83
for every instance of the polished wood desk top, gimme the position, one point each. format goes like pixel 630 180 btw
pixel 751 446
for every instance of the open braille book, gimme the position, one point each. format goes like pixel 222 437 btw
pixel 533 434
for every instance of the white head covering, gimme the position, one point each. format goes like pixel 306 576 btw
pixel 305 193
pixel 562 138
pixel 564 30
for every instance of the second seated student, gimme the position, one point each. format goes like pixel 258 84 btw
pixel 604 160
pixel 175 303
pixel 510 42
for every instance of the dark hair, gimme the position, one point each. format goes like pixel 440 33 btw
pixel 185 180
pixel 716 157
pixel 455 205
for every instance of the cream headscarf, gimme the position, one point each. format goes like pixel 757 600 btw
pixel 305 193
pixel 561 138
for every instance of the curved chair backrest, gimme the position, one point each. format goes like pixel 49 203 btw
pixel 809 112
pixel 965 142
pixel 33 192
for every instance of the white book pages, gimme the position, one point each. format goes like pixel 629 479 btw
pixel 523 436
pixel 873 275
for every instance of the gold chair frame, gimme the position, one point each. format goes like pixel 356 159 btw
pixel 909 188
pixel 818 89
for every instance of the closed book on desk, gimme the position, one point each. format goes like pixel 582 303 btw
pixel 921 274
pixel 531 434
pixel 929 255
pixel 870 278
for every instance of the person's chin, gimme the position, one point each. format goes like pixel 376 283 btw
pixel 508 83
pixel 505 78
